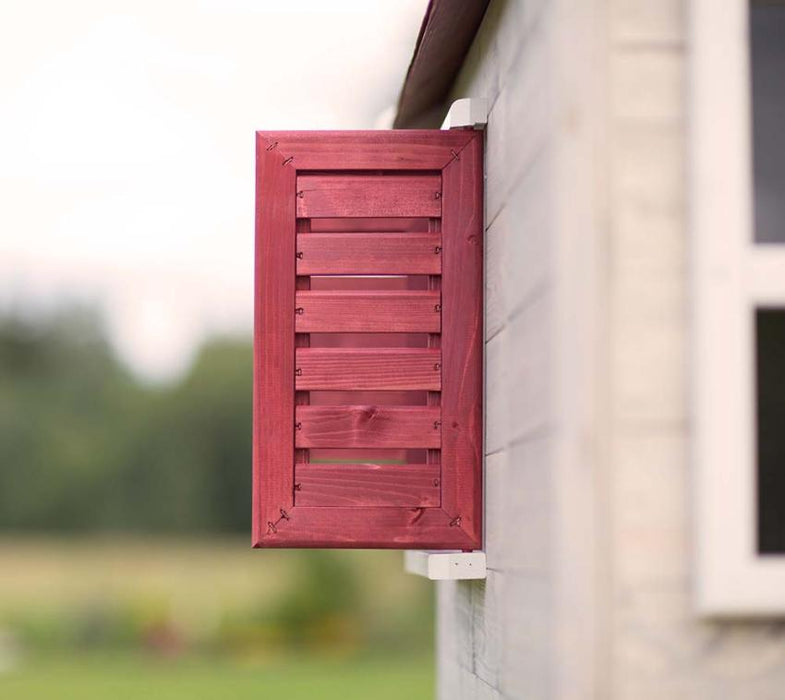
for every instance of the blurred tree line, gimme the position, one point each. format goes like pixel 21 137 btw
pixel 84 445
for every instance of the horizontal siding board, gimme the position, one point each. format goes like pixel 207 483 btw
pixel 369 254
pixel 368 195
pixel 364 369
pixel 368 312
pixel 330 485
pixel 367 426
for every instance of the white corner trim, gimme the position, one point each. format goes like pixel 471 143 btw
pixel 445 566
pixel 469 111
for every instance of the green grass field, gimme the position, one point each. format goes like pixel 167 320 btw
pixel 130 677
pixel 115 618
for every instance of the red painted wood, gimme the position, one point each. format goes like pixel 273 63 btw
pixel 462 338
pixel 281 518
pixel 273 403
pixel 367 283
pixel 370 225
pixel 369 527
pixel 302 340
pixel 368 369
pixel 369 254
pixel 330 485
pixel 367 426
pixel 367 312
pixel 375 397
pixel 411 149
pixel 368 195
pixel 434 341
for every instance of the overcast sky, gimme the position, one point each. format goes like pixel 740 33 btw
pixel 126 147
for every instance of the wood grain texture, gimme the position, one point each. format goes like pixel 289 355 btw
pixel 411 149
pixel 367 312
pixel 387 224
pixel 280 332
pixel 367 426
pixel 302 340
pixel 462 339
pixel 358 369
pixel 273 403
pixel 330 485
pixel 368 195
pixel 369 527
pixel 369 254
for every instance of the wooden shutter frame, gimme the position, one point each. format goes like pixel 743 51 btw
pixel 457 523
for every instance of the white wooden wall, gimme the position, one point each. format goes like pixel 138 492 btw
pixel 524 631
pixel 588 527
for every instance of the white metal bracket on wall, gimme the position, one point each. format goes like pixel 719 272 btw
pixel 468 112
pixel 446 566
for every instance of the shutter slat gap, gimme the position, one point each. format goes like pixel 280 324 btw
pixel 434 342
pixel 301 340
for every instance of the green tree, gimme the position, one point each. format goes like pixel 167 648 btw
pixel 85 446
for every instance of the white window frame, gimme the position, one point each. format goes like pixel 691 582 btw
pixel 731 277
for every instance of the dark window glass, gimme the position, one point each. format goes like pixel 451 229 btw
pixel 767 39
pixel 770 357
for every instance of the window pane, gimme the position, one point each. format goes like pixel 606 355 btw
pixel 770 356
pixel 767 27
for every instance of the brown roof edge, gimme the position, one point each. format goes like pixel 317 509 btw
pixel 445 37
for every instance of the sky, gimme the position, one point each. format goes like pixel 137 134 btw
pixel 127 148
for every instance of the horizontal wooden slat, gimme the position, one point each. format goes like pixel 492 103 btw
pixel 368 195
pixel 368 312
pixel 375 224
pixel 357 369
pixel 401 149
pixel 369 254
pixel 368 527
pixel 367 426
pixel 413 485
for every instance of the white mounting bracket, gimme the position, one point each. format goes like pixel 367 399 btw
pixel 467 112
pixel 445 566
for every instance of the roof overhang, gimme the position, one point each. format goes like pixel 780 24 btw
pixel 445 37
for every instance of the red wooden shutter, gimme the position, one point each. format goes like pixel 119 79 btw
pixel 368 340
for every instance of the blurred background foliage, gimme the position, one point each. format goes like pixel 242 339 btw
pixel 125 531
pixel 86 447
